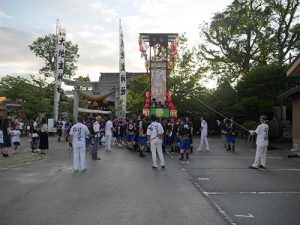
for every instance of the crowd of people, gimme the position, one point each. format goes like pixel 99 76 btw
pixel 156 135
pixel 11 131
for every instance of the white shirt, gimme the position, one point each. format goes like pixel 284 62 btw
pixel 96 128
pixel 34 127
pixel 203 127
pixel 108 127
pixel 44 128
pixel 21 125
pixel 262 135
pixel 1 137
pixel 79 131
pixel 154 129
pixel 15 136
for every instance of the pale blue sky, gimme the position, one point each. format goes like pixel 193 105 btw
pixel 93 25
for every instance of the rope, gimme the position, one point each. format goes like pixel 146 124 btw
pixel 143 92
pixel 212 109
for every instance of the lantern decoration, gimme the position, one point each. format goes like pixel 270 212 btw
pixel 143 48
pixel 148 94
pixel 160 53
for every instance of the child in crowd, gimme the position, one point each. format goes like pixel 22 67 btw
pixel 16 137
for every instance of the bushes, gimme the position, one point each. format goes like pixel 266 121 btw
pixel 274 129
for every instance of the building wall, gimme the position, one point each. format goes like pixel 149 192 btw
pixel 296 122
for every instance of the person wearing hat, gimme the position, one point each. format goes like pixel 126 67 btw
pixel 155 134
pixel 261 144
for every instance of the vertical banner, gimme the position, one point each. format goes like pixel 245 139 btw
pixel 60 63
pixel 122 72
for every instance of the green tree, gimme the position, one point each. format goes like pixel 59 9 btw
pixel 184 82
pixel 137 87
pixel 249 33
pixel 231 39
pixel 285 30
pixel 258 90
pixel 34 95
pixel 223 98
pixel 45 48
pixel 83 79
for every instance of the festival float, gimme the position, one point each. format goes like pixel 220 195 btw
pixel 160 52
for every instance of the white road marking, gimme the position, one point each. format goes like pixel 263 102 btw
pixel 234 157
pixel 245 216
pixel 244 168
pixel 203 178
pixel 252 193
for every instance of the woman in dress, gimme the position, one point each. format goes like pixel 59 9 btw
pixel 43 146
pixel 6 137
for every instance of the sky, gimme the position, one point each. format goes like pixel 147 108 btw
pixel 94 26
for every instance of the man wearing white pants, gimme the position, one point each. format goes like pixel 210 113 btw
pixel 78 133
pixel 108 134
pixel 155 134
pixel 261 144
pixel 203 137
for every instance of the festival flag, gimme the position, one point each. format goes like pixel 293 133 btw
pixel 122 73
pixel 60 64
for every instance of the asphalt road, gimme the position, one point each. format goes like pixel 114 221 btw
pixel 121 188
pixel 245 196
pixel 213 187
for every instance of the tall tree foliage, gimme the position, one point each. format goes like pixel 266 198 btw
pixel 45 48
pixel 35 95
pixel 285 28
pixel 249 33
pixel 258 90
pixel 184 81
pixel 137 87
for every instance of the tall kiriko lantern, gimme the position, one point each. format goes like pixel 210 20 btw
pixel 160 52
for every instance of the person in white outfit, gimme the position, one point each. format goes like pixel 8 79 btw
pixel 16 137
pixel 155 134
pixel 203 137
pixel 78 133
pixel 108 134
pixel 261 144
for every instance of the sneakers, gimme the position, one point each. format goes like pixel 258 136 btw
pixel 163 167
pixel 142 154
pixel 97 158
pixel 253 167
pixel 154 167
pixel 262 167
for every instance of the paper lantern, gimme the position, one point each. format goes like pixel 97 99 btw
pixel 148 94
